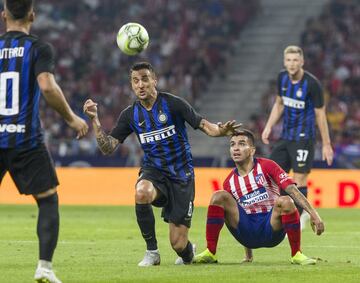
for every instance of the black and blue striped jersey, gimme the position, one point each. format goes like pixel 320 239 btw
pixel 22 58
pixel 162 134
pixel 300 100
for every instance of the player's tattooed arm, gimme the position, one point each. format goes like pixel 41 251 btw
pixel 316 222
pixel 298 197
pixel 106 143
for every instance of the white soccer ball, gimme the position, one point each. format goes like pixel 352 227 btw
pixel 132 38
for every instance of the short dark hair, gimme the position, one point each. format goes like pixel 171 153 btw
pixel 142 65
pixel 245 132
pixel 18 9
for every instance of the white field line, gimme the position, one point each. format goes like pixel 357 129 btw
pixel 60 242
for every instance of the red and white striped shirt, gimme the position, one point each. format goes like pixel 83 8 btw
pixel 257 191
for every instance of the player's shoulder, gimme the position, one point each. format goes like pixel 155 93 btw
pixel 129 108
pixel 229 176
pixel 265 163
pixel 169 96
pixel 311 77
pixel 282 73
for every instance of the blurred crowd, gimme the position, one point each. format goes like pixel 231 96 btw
pixel 331 45
pixel 190 42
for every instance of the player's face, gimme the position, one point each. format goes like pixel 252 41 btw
pixel 143 83
pixel 241 149
pixel 293 63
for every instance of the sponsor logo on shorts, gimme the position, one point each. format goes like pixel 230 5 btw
pixel 254 197
pixel 301 164
pixel 190 211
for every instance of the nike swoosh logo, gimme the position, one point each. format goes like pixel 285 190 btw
pixel 141 123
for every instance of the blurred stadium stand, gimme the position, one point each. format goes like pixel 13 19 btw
pixel 220 55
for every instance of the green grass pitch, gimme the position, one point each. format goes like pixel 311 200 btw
pixel 103 244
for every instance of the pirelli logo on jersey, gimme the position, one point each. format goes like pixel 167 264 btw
pixel 157 135
pixel 12 128
pixel 293 103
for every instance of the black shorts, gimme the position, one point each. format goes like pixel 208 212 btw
pixel 296 155
pixel 177 199
pixel 32 169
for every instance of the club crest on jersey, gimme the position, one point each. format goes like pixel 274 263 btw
pixel 299 93
pixel 162 118
pixel 260 179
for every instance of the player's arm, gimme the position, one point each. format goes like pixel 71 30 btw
pixel 106 143
pixel 196 121
pixel 219 129
pixel 327 152
pixel 55 98
pixel 301 200
pixel 276 112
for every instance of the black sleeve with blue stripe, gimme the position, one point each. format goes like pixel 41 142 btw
pixel 123 129
pixel 45 58
pixel 187 112
pixel 316 92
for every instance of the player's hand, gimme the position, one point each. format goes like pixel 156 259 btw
pixel 327 154
pixel 265 135
pixel 228 128
pixel 90 109
pixel 317 225
pixel 79 125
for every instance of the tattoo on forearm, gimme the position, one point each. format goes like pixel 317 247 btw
pixel 298 197
pixel 106 143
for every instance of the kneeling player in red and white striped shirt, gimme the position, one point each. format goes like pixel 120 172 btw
pixel 251 206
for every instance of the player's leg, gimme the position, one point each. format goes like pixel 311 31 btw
pixel 222 208
pixel 281 156
pixel 178 234
pixel 34 174
pixel 47 232
pixel 178 213
pixel 302 156
pixel 285 216
pixel 145 194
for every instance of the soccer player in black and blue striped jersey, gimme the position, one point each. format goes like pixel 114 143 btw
pixel 26 72
pixel 166 177
pixel 300 101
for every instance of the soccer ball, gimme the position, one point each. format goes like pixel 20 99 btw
pixel 132 38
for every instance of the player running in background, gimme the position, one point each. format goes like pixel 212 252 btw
pixel 252 208
pixel 166 177
pixel 300 101
pixel 26 72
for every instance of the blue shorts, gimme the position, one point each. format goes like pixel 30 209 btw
pixel 255 231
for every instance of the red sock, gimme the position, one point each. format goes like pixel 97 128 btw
pixel 215 221
pixel 291 225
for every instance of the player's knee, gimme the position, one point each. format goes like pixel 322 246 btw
pixel 143 192
pixel 285 202
pixel 219 197
pixel 49 207
pixel 50 200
